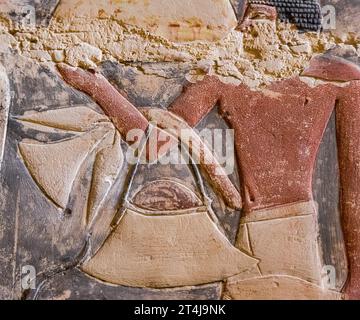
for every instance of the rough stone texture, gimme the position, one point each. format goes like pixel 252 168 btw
pixel 174 20
pixel 4 109
pixel 304 14
pixel 70 204
pixel 277 288
pixel 346 13
pixel 39 12
pixel 252 58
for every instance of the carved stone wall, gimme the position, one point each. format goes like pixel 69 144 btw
pixel 88 211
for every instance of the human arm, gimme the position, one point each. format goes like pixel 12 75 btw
pixel 122 113
pixel 126 117
pixel 348 135
pixel 197 100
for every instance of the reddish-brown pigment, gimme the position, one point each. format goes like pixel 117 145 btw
pixel 278 132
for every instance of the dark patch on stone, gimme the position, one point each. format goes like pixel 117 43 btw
pixel 326 188
pixel 126 79
pixel 28 11
pixel 79 287
pixel 305 14
pixel 239 8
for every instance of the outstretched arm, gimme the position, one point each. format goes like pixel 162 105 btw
pixel 126 117
pixel 348 131
pixel 121 112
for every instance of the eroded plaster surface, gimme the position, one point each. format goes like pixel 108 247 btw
pixel 266 52
pixel 80 81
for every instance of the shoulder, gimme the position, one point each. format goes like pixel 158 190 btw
pixel 331 67
pixel 206 86
pixel 206 81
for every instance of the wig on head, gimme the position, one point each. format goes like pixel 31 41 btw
pixel 305 14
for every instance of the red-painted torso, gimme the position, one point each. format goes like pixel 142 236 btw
pixel 278 132
pixel 277 135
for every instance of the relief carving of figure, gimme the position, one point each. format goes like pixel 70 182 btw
pixel 166 235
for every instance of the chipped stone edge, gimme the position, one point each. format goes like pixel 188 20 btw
pixel 4 109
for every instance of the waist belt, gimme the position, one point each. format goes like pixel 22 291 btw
pixel 284 211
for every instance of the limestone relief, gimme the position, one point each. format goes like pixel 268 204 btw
pixel 4 109
pixel 180 150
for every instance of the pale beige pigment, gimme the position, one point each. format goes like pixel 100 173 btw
pixel 4 109
pixel 267 51
pixel 185 20
pixel 55 166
